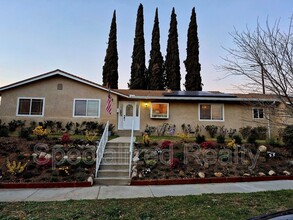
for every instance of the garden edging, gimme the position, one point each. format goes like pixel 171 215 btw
pixel 44 185
pixel 207 180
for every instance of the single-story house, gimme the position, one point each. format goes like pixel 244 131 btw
pixel 61 96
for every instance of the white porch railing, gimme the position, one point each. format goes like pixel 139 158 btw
pixel 131 147
pixel 101 148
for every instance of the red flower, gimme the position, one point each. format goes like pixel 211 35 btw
pixel 166 144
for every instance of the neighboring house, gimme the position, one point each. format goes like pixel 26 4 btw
pixel 61 96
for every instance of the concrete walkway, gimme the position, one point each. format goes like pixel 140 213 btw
pixel 125 192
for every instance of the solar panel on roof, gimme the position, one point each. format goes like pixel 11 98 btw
pixel 197 94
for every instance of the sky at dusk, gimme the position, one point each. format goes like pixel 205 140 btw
pixel 38 36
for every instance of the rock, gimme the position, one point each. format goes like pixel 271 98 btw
pixel 245 162
pixel 206 165
pixel 48 156
pixel 134 168
pixel 91 180
pixel 181 174
pixel 34 155
pixel 290 162
pixel 140 175
pixel 218 174
pixel 58 146
pixel 271 173
pixel 135 159
pixel 201 175
pixel 262 149
pixel 246 174
pixel 42 154
pixel 261 174
pixel 134 174
pixel 287 173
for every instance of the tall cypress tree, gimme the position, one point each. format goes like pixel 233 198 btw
pixel 156 62
pixel 138 69
pixel 192 65
pixel 172 63
pixel 110 68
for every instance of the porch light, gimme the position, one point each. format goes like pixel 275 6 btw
pixel 146 104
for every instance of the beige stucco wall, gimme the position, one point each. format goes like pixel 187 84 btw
pixel 236 115
pixel 58 103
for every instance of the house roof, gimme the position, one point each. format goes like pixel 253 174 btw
pixel 56 73
pixel 196 95
pixel 155 94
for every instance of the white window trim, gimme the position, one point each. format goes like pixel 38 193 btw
pixel 85 99
pixel 164 103
pixel 223 108
pixel 29 115
pixel 258 114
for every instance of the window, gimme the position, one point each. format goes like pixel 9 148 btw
pixel 86 108
pixel 30 107
pixel 258 113
pixel 212 112
pixel 160 110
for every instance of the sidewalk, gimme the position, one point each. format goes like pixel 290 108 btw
pixel 125 192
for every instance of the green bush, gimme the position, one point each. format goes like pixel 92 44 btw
pixel 261 132
pixel 274 142
pixel 288 136
pixel 14 124
pixel 237 138
pixel 200 139
pixel 25 133
pixel 220 139
pixel 212 130
pixel 245 131
pixel 4 131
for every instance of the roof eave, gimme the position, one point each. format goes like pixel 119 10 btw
pixel 203 99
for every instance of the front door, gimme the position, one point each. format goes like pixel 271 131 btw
pixel 128 114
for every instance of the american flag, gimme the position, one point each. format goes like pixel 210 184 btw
pixel 109 103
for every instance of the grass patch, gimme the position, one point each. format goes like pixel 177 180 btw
pixel 207 206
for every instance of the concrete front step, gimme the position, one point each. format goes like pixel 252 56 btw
pixel 127 133
pixel 112 181
pixel 113 173
pixel 113 160
pixel 114 166
pixel 116 151
pixel 121 146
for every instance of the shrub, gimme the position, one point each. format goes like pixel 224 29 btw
pixel 166 144
pixel 273 142
pixel 237 138
pixel 245 131
pixel 261 132
pixel 200 139
pixel 174 163
pixel 14 124
pixel 4 132
pixel 25 133
pixel 252 137
pixel 288 136
pixel 207 145
pixel 220 139
pixel 212 130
